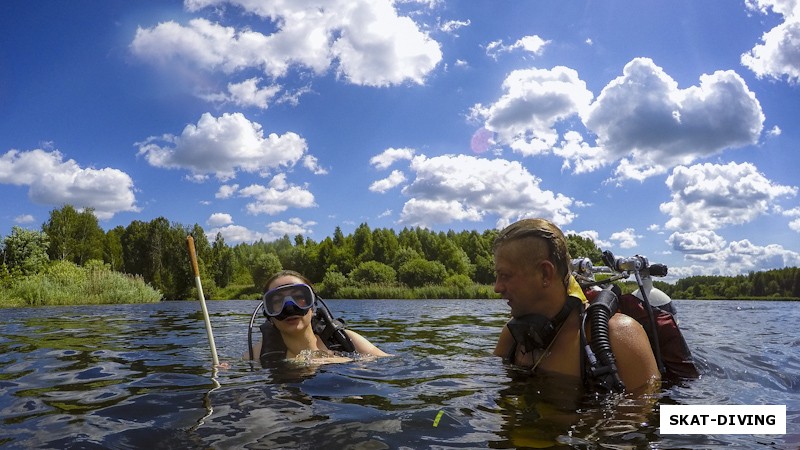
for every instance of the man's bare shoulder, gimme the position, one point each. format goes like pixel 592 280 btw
pixel 627 334
pixel 624 324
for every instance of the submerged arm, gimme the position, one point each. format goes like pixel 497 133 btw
pixel 364 346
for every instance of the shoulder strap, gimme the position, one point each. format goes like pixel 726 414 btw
pixel 332 331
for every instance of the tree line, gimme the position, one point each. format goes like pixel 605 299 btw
pixel 777 283
pixel 413 257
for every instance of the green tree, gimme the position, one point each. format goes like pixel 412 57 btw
pixel 408 238
pixel 581 247
pixel 338 237
pixel 112 248
pixel 454 259
pixel 362 243
pixel 384 245
pixel 759 284
pixel 419 272
pixel 26 250
pixel 299 258
pixel 331 283
pixel 264 266
pixel 157 251
pixel 74 236
pixel 221 261
pixel 459 281
pixel 484 269
pixel 404 255
pixel 773 289
pixel 373 272
pixel 429 242
pixel 474 246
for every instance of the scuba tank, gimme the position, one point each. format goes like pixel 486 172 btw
pixel 648 305
pixel 655 296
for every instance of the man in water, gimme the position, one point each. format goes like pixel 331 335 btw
pixel 532 266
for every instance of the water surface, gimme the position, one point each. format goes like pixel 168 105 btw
pixel 139 376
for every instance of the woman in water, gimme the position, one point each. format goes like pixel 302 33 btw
pixel 295 324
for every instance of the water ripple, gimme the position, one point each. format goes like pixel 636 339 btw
pixel 134 376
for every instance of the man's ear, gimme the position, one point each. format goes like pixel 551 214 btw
pixel 548 271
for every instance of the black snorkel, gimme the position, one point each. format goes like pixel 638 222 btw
pixel 332 331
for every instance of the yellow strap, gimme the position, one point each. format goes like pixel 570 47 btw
pixel 574 290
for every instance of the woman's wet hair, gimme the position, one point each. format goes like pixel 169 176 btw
pixel 286 273
pixel 544 230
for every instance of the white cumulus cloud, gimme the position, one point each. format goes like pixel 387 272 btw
pixel 711 196
pixel 590 234
pixel 778 54
pixel 696 242
pixel 534 101
pixel 53 181
pixel 394 179
pixel 626 238
pixel 219 219
pixel 222 145
pixel 532 44
pixel 277 196
pixel 247 93
pixel 647 122
pixel 390 156
pixel 24 218
pixel 226 191
pixel 460 187
pixel 365 41
pixel 234 234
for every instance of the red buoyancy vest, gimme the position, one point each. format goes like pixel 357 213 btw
pixel 675 354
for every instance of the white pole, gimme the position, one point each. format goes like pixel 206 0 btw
pixel 202 298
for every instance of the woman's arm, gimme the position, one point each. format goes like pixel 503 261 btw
pixel 364 346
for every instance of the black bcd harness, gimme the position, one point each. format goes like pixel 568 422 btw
pixel 330 330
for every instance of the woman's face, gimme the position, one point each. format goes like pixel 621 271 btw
pixel 291 324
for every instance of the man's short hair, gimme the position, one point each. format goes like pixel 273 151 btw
pixel 558 254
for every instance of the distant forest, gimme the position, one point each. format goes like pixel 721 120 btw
pixel 777 283
pixel 413 257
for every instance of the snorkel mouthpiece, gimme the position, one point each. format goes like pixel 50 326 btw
pixel 289 310
pixel 534 331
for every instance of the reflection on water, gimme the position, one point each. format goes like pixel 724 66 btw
pixel 133 376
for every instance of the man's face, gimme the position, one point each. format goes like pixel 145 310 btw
pixel 516 280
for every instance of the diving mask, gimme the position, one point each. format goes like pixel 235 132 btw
pixel 288 300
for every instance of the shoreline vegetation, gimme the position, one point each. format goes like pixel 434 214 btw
pixel 65 283
pixel 71 260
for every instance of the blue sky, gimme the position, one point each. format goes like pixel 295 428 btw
pixel 664 129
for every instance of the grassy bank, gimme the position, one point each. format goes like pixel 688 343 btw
pixel 64 283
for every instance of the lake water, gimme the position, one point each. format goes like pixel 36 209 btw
pixel 139 376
